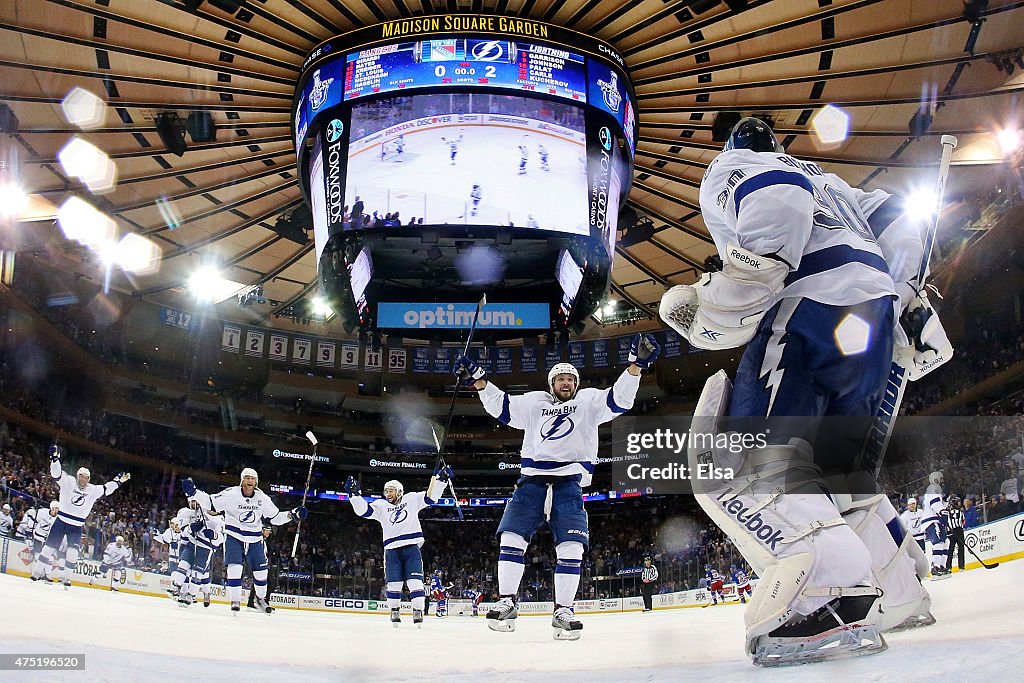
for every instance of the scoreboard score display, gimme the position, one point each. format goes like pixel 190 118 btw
pixel 450 155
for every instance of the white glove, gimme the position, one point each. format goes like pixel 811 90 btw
pixel 921 344
pixel 722 310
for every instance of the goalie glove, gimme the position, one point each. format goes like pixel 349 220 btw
pixel 644 350
pixel 722 310
pixel 921 342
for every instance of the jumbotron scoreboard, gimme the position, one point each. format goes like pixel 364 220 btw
pixel 450 155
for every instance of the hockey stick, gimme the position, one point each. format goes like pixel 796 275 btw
pixel 309 475
pixel 980 561
pixel 885 419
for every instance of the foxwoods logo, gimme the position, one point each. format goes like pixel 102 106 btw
pixel 277 453
pixel 509 466
pixel 393 463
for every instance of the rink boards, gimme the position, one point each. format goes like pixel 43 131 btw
pixel 1000 541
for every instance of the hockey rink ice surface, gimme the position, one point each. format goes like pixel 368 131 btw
pixel 979 637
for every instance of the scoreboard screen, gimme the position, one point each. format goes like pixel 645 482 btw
pixel 469 62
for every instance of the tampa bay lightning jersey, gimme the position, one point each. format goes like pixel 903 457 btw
pixel 912 522
pixel 821 227
pixel 400 523
pixel 172 539
pixel 932 507
pixel 560 438
pixel 76 502
pixel 243 515
pixel 114 556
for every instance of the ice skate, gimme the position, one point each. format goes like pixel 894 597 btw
pixel 502 617
pixel 396 617
pixel 417 618
pixel 235 608
pixel 565 623
pixel 262 605
pixel 67 584
pixel 184 601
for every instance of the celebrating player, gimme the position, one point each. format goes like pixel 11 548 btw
pixel 244 507
pixel 35 526
pixel 206 532
pixel 542 152
pixel 116 558
pixel 475 195
pixel 814 275
pixel 558 458
pixel 934 525
pixel 398 514
pixel 453 147
pixel 171 537
pixel 77 496
pixel 524 156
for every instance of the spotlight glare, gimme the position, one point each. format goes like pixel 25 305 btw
pixel 1009 140
pixel 321 308
pixel 86 162
pixel 852 335
pixel 207 285
pixel 921 203
pixel 83 109
pixel 12 199
pixel 831 125
pixel 137 254
pixel 83 222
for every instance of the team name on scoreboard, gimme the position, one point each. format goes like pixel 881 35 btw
pixel 408 27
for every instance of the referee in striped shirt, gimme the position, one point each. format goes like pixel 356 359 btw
pixel 648 575
pixel 954 519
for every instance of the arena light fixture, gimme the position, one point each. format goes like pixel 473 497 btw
pixel 12 198
pixel 84 223
pixel 321 308
pixel 1009 140
pixel 208 285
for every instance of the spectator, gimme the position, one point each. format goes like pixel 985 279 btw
pixel 971 514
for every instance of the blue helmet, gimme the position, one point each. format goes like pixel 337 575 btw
pixel 753 134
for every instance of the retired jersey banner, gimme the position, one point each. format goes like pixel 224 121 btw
pixel 443 361
pixel 672 346
pixel 348 358
pixel 623 344
pixel 503 360
pixel 278 347
pixel 599 351
pixel 577 354
pixel 254 343
pixel 396 360
pixel 231 339
pixel 302 350
pixel 528 361
pixel 483 357
pixel 372 360
pixel 421 359
pixel 552 356
pixel 325 352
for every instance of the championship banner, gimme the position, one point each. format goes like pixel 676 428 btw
pixel 483 358
pixel 623 344
pixel 421 359
pixel 372 360
pixel 301 351
pixel 672 345
pixel 443 361
pixel 577 355
pixel 278 347
pixel 349 357
pixel 552 356
pixel 254 343
pixel 396 361
pixel 503 362
pixel 325 352
pixel 231 339
pixel 599 351
pixel 528 361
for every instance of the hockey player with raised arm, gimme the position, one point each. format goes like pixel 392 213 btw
pixel 244 508
pixel 116 558
pixel 77 496
pixel 36 524
pixel 398 514
pixel 171 537
pixel 816 275
pixel 559 455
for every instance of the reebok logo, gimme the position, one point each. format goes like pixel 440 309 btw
pixel 745 258
pixel 764 532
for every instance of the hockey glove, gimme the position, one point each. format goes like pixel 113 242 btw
pixel 208 534
pixel 300 513
pixel 352 487
pixel 196 527
pixel 55 453
pixel 644 350
pixel 467 370
pixel 444 474
pixel 921 342
pixel 189 487
pixel 123 478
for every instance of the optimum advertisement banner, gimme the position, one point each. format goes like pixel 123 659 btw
pixel 434 316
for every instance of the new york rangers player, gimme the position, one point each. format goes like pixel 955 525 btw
pixel 244 508
pixel 816 275
pixel 715 584
pixel 742 581
pixel 398 515
pixel 558 458
pixel 77 496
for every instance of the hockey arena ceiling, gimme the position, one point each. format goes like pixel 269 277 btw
pixel 903 71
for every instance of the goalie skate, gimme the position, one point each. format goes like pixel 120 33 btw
pixel 565 623
pixel 844 627
pixel 502 617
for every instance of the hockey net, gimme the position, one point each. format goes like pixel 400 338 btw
pixel 389 149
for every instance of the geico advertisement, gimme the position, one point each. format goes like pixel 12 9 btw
pixel 434 316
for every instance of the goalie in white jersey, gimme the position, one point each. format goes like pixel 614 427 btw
pixel 816 274
pixel 77 496
pixel 244 507
pixel 398 515
pixel 558 458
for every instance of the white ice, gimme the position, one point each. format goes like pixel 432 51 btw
pixel 979 636
pixel 423 183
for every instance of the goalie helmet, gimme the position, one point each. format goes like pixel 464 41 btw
pixel 935 478
pixel 249 472
pixel 563 369
pixel 753 134
pixel 397 486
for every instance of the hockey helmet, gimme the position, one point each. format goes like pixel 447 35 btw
pixel 174 523
pixel 249 472
pixel 83 472
pixel 935 478
pixel 54 506
pixel 753 134
pixel 954 500
pixel 119 540
pixel 563 369
pixel 911 500
pixel 397 486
